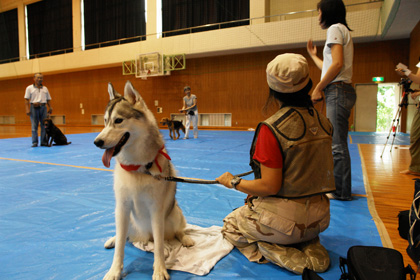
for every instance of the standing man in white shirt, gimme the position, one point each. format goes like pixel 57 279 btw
pixel 37 98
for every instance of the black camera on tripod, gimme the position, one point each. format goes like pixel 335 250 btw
pixel 406 83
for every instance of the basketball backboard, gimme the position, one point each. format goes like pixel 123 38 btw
pixel 149 65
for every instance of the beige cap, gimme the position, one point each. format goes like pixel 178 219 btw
pixel 288 73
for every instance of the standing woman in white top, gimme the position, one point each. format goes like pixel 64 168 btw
pixel 191 112
pixel 336 79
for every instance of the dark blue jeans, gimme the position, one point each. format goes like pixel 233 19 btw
pixel 340 99
pixel 37 116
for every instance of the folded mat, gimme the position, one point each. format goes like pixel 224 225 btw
pixel 209 248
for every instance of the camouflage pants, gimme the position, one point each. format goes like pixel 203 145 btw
pixel 415 143
pixel 282 231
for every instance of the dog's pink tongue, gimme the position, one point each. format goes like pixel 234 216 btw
pixel 106 158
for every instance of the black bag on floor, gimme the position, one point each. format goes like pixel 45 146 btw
pixel 409 224
pixel 404 223
pixel 309 274
pixel 413 248
pixel 370 262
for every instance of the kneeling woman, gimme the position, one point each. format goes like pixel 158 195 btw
pixel 292 161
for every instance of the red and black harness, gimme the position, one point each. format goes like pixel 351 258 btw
pixel 133 167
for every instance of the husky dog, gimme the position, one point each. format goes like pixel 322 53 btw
pixel 146 209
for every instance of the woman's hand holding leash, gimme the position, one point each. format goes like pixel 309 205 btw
pixel 183 111
pixel 225 180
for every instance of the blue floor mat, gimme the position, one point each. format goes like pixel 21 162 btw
pixel 398 138
pixel 57 210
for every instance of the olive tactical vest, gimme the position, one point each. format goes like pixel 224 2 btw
pixel 304 137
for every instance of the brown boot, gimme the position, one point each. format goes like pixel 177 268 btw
pixel 316 253
pixel 287 257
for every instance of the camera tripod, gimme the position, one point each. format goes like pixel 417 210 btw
pixel 406 83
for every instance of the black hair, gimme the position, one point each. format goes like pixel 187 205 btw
pixel 333 11
pixel 300 98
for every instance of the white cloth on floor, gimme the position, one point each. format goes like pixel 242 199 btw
pixel 209 248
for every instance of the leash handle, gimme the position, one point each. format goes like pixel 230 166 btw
pixel 199 181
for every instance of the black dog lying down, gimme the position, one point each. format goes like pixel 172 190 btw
pixel 53 133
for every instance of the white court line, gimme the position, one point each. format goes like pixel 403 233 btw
pixel 57 164
pixel 383 233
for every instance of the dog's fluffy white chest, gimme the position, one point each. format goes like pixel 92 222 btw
pixel 141 190
pixel 135 182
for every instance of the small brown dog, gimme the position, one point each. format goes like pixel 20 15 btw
pixel 53 133
pixel 174 127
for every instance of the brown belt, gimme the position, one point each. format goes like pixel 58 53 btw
pixel 340 83
pixel 300 200
pixel 36 105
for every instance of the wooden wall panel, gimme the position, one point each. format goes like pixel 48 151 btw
pixel 415 47
pixel 223 84
pixel 379 59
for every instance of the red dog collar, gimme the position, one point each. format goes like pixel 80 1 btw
pixel 149 165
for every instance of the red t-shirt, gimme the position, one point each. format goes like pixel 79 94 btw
pixel 267 150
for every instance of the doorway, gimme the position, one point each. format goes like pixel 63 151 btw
pixel 376 106
pixel 387 107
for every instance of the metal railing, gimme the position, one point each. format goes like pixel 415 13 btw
pixel 182 31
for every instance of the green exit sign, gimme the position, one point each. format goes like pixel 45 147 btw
pixel 378 79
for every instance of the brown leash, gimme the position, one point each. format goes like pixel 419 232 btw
pixel 198 181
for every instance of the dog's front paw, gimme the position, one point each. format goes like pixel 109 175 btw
pixel 187 241
pixel 110 243
pixel 113 274
pixel 160 274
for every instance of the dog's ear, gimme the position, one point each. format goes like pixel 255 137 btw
pixel 133 96
pixel 112 92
